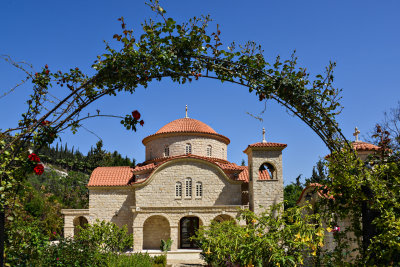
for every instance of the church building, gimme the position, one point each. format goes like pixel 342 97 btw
pixel 186 181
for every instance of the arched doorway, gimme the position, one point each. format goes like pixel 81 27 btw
pixel 155 228
pixel 79 221
pixel 188 227
pixel 223 218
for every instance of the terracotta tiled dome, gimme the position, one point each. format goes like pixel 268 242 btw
pixel 186 125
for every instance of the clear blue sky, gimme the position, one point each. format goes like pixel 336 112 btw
pixel 363 37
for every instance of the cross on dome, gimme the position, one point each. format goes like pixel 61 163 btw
pixel 263 131
pixel 186 116
pixel 356 133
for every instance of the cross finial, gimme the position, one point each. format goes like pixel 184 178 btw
pixel 186 116
pixel 264 141
pixel 356 133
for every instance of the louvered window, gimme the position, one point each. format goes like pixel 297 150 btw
pixel 199 189
pixel 166 151
pixel 209 151
pixel 188 149
pixel 188 187
pixel 178 189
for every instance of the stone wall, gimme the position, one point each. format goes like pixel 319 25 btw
pixel 160 191
pixel 177 146
pixel 173 215
pixel 112 204
pixel 155 228
pixel 70 218
pixel 265 193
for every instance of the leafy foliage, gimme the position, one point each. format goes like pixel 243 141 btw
pixel 273 238
pixel 106 236
pixel 166 245
pixel 370 191
pixel 76 161
pixel 291 194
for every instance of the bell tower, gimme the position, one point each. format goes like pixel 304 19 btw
pixel 265 174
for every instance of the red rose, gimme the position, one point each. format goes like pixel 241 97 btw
pixel 46 66
pixel 47 72
pixel 141 122
pixel 45 123
pixel 39 169
pixel 33 157
pixel 136 115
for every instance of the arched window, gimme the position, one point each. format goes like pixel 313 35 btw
pixel 188 149
pixel 199 189
pixel 166 151
pixel 178 189
pixel 188 187
pixel 267 172
pixel 209 151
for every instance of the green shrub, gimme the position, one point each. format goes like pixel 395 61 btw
pixel 25 242
pixel 277 237
pixel 160 261
pixel 136 259
pixel 106 236
pixel 166 245
pixel 70 252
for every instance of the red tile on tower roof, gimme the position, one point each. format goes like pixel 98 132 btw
pixel 266 144
pixel 363 146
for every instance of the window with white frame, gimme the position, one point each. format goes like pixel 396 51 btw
pixel 188 149
pixel 178 189
pixel 209 151
pixel 188 187
pixel 199 189
pixel 166 151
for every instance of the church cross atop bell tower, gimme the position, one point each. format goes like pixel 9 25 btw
pixel 356 133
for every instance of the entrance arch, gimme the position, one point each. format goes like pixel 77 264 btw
pixel 187 228
pixel 79 221
pixel 155 228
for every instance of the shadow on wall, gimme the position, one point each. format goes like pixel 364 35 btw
pixel 124 216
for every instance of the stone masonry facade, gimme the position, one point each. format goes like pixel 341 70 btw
pixel 170 196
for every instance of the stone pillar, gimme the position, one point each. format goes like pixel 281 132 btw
pixel 138 238
pixel 68 226
pixel 174 237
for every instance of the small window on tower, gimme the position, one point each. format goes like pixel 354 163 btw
pixel 166 151
pixel 188 149
pixel 178 190
pixel 188 187
pixel 199 189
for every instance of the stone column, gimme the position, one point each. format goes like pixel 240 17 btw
pixel 68 226
pixel 174 237
pixel 137 238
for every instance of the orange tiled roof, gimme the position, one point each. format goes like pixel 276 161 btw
pixel 232 170
pixel 363 146
pixel 263 175
pixel 111 176
pixel 320 191
pixel 123 176
pixel 267 144
pixel 186 125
